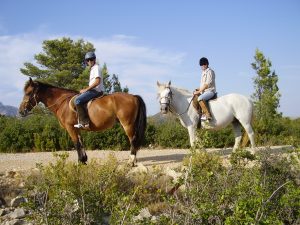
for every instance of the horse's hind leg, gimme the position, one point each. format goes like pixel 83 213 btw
pixel 129 130
pixel 237 133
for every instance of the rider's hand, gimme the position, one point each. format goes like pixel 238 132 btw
pixel 83 90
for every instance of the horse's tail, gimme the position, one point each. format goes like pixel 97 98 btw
pixel 140 123
pixel 245 139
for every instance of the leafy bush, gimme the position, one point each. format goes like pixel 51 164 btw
pixel 114 139
pixel 216 139
pixel 171 134
pixel 42 132
pixel 243 193
pixel 71 193
pixel 261 191
pixel 13 136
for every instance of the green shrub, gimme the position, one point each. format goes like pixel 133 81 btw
pixel 114 139
pixel 42 132
pixel 172 134
pixel 261 191
pixel 71 193
pixel 14 137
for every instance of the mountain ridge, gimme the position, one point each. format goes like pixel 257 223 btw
pixel 8 110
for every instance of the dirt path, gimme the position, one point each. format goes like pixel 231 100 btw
pixel 25 161
pixel 165 157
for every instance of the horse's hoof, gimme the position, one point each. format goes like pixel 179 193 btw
pixel 83 159
pixel 131 164
pixel 132 161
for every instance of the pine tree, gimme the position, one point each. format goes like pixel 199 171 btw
pixel 266 97
pixel 62 64
pixel 116 85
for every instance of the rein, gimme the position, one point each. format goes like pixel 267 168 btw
pixel 58 100
pixel 180 114
pixel 36 102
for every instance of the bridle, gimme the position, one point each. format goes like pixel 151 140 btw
pixel 33 96
pixel 167 100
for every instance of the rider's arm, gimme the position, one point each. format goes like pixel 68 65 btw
pixel 199 91
pixel 202 88
pixel 93 85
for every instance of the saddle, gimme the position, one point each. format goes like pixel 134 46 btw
pixel 196 103
pixel 86 105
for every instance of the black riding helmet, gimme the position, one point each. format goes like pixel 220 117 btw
pixel 203 61
pixel 90 55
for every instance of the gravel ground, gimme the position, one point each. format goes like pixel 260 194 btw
pixel 148 157
pixel 26 161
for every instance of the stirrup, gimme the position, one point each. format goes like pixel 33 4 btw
pixel 205 118
pixel 79 125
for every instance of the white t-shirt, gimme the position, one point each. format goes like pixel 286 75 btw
pixel 94 73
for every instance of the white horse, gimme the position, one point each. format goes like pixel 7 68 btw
pixel 232 108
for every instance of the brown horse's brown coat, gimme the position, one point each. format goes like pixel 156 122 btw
pixel 104 112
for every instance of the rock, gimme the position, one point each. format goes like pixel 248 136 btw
pixel 172 173
pixel 4 212
pixel 144 213
pixel 17 201
pixel 21 185
pixel 15 222
pixel 10 174
pixel 139 169
pixel 2 202
pixel 18 213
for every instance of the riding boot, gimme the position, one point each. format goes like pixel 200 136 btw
pixel 83 119
pixel 204 107
pixel 199 111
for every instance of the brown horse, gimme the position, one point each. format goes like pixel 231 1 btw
pixel 129 110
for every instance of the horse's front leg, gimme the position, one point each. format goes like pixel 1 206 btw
pixel 192 135
pixel 82 156
pixel 75 136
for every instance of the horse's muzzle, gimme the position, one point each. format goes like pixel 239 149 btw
pixel 164 109
pixel 23 113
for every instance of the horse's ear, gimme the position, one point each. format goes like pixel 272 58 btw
pixel 32 83
pixel 158 84
pixel 169 84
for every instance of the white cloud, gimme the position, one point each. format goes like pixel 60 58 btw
pixel 138 67
pixel 14 51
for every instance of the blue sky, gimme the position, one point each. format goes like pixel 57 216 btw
pixel 146 41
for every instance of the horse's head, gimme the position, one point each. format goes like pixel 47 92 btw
pixel 30 98
pixel 165 97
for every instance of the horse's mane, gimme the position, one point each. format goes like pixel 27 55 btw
pixel 44 86
pixel 181 91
